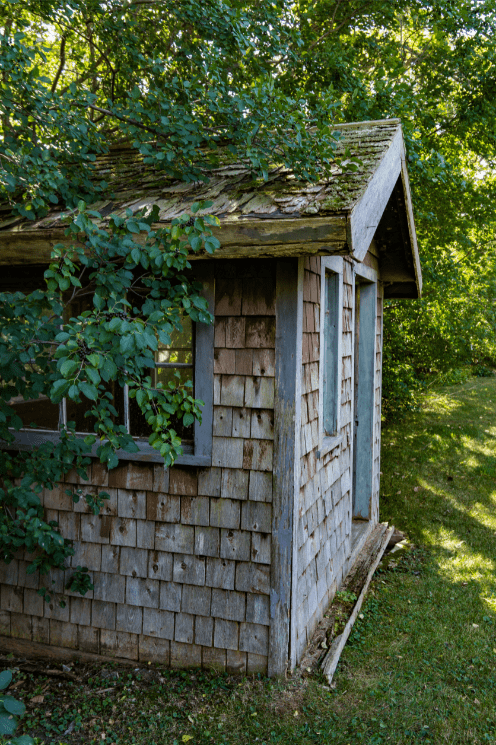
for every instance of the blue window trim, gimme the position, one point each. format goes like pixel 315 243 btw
pixel 364 448
pixel 201 452
pixel 330 372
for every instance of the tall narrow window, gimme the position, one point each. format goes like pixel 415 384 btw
pixel 331 354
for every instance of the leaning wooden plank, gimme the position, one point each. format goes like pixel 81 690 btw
pixel 330 661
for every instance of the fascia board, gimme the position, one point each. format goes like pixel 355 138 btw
pixel 366 214
pixel 411 226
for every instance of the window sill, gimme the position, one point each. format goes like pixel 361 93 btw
pixel 25 440
pixel 328 444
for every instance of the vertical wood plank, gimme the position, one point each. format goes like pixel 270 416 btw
pixel 289 312
pixel 205 356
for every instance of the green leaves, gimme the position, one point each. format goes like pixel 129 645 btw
pixel 12 706
pixel 90 391
pixel 68 367
pixel 5 679
pixel 10 709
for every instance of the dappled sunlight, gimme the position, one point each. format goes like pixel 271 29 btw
pixel 458 561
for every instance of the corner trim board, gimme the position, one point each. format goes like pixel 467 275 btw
pixel 286 419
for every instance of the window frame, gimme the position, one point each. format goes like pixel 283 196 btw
pixel 201 452
pixel 330 265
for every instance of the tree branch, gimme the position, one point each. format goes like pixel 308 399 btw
pixel 335 29
pixel 61 63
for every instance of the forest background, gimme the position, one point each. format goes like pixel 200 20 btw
pixel 182 81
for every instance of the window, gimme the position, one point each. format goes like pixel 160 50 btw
pixel 331 329
pixel 190 355
pixel 331 361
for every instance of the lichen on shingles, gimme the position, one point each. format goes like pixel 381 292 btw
pixel 233 190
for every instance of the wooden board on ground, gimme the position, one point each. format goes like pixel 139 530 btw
pixel 341 610
pixel 359 577
pixel 35 650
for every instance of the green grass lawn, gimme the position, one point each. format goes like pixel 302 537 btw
pixel 420 665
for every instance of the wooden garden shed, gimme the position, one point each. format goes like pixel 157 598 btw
pixel 229 559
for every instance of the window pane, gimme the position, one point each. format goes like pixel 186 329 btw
pixel 331 377
pixel 181 339
pixel 166 375
pixel 39 411
pixel 140 428
pixel 180 351
pixel 76 412
pixel 172 356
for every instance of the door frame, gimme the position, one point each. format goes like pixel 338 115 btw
pixel 363 399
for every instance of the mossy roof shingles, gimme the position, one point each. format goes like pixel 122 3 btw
pixel 235 193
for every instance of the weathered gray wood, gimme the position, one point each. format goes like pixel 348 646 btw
pixel 225 513
pixel 258 455
pixel 259 393
pixel 260 332
pixel 411 225
pixel 367 213
pixel 129 618
pixel 363 446
pixel 175 538
pixel 297 462
pixel 329 264
pixel 142 592
pixel 25 648
pixel 260 489
pixel 257 609
pixel 234 483
pixel 207 541
pixel 284 464
pixel 112 587
pixel 226 634
pixel 262 425
pixel 240 239
pixel 330 661
pixel 256 516
pixel 228 604
pixel 204 356
pixel 227 452
pixel 159 623
pixel 232 392
pixel 371 261
pixel 223 421
pixel 220 573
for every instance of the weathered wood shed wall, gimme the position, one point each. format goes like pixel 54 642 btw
pixel 180 559
pixel 325 539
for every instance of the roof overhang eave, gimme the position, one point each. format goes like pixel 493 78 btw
pixel 365 216
pixel 253 238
